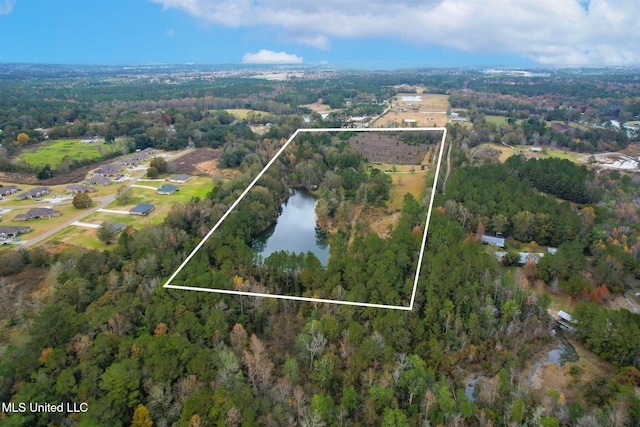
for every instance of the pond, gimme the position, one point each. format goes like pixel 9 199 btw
pixel 564 353
pixel 295 230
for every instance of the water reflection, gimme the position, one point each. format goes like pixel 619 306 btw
pixel 295 230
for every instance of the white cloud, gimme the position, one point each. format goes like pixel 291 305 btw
pixel 6 6
pixel 565 32
pixel 270 57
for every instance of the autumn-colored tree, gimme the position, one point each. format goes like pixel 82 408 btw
pixel 23 138
pixel 141 417
pixel 259 366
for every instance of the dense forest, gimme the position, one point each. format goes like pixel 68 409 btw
pixel 80 325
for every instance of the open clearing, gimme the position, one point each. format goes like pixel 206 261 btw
pixel 424 110
pixel 243 113
pixel 386 147
pixel 505 152
pixel 202 162
pixel 53 152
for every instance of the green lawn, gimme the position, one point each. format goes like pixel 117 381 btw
pixel 52 152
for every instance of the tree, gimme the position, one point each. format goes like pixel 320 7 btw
pixel 152 172
pixel 82 201
pixel 141 417
pixel 160 164
pixel 106 232
pixel 23 138
pixel 45 173
pixel 124 196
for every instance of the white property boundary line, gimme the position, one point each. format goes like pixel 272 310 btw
pixel 319 300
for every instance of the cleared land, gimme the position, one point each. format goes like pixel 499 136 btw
pixel 53 152
pixel 505 152
pixel 426 109
pixel 386 147
pixel 243 113
pixel 202 162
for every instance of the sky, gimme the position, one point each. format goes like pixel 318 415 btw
pixel 364 34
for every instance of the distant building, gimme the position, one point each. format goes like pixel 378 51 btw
pixel 524 257
pixel 79 188
pixel 496 241
pixel 8 231
pixel 108 170
pixel 34 193
pixel 142 209
pixel 536 149
pixel 149 151
pixel 116 226
pixel 182 178
pixel 8 189
pixel 36 213
pixel 98 180
pixel 89 140
pixel 167 189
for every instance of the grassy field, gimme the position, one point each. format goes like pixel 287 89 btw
pixel 241 113
pixel 52 152
pixel 80 236
pixel 497 120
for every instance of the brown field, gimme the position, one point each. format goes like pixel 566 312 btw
pixel 385 147
pixel 430 111
pixel 201 162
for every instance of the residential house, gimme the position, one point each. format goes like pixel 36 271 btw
pixel 37 213
pixel 116 226
pixel 182 178
pixel 79 188
pixel 98 180
pixel 142 209
pixel 34 193
pixel 9 231
pixel 8 189
pixel 167 189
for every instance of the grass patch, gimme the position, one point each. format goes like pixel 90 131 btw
pixel 81 236
pixel 496 120
pixel 53 152
pixel 242 113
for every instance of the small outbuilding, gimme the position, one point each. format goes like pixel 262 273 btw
pixel 116 226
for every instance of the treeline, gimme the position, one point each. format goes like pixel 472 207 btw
pixel 496 197
pixel 559 177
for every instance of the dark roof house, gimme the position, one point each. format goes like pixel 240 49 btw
pixel 37 213
pixel 79 188
pixel 8 189
pixel 34 192
pixel 13 230
pixel 98 180
pixel 167 189
pixel 142 209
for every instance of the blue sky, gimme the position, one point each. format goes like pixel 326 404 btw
pixel 348 33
